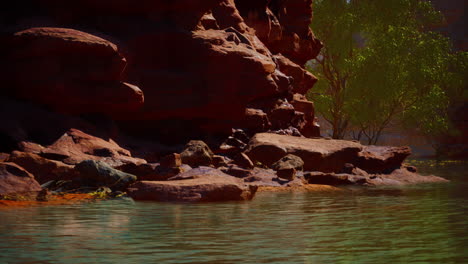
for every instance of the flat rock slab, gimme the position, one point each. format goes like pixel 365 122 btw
pixel 318 154
pixel 197 185
pixel 397 177
pixel 378 159
pixel 405 177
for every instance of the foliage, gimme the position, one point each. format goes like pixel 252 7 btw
pixel 381 66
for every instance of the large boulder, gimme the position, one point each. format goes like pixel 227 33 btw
pixel 70 71
pixel 381 159
pixel 14 180
pixel 318 154
pixel 75 146
pixel 98 173
pixel 44 170
pixel 197 185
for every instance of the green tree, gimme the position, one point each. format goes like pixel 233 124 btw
pixel 381 66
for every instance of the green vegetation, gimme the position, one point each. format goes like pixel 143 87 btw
pixel 382 66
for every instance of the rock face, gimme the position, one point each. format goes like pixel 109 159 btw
pixel 70 71
pixel 172 51
pixel 318 154
pixel 15 180
pixel 197 185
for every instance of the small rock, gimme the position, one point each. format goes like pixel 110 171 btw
pixel 287 162
pixel 236 171
pixel 197 153
pixel 287 173
pixel 171 161
pixel 98 173
pixel 219 161
pixel 243 161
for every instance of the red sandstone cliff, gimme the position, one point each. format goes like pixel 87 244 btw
pixel 162 69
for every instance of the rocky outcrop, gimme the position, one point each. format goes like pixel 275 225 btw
pixel 70 71
pixel 76 146
pixel 397 177
pixel 15 181
pixel 44 169
pixel 375 159
pixel 172 51
pixel 318 154
pixel 197 185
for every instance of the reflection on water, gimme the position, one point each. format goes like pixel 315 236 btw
pixel 418 224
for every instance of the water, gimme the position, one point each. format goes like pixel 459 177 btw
pixel 417 224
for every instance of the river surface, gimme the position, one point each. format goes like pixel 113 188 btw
pixel 416 224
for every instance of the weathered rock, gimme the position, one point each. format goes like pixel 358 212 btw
pixel 382 159
pixel 197 185
pixel 197 153
pixel 404 177
pixel 43 169
pixel 334 179
pixel 283 26
pixel 98 173
pixel 15 180
pixel 309 128
pixel 317 154
pixel 397 177
pixel 220 161
pixel 142 171
pixel 243 161
pixel 286 173
pixel 208 21
pixel 76 146
pixel 153 171
pixel 236 171
pixel 176 50
pixel 255 120
pixel 303 80
pixel 171 161
pixel 30 147
pixel 70 71
pixel 288 162
pixel 269 178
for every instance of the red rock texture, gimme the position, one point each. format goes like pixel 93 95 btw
pixel 44 169
pixel 70 71
pixel 76 146
pixel 14 180
pixel 318 154
pixel 198 64
pixel 197 185
pixel 375 159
